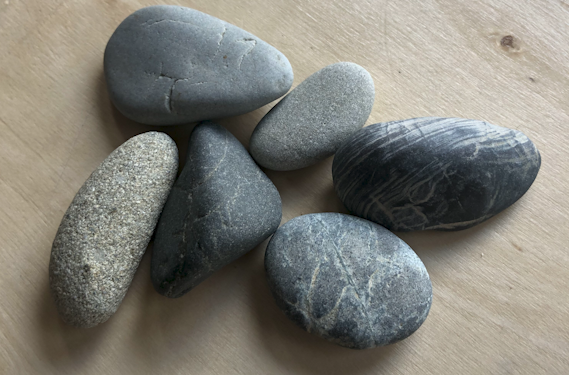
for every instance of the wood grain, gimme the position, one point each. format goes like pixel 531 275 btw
pixel 500 289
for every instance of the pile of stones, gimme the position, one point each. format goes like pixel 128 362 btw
pixel 346 278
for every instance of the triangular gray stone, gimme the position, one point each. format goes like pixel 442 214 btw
pixel 221 206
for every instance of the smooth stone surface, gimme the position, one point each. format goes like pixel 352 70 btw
pixel 433 173
pixel 169 65
pixel 313 120
pixel 107 227
pixel 221 206
pixel 348 280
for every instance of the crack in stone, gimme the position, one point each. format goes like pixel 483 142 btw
pixel 162 75
pixel 170 96
pixel 246 40
pixel 169 101
pixel 222 36
pixel 219 42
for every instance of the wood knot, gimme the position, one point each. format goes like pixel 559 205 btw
pixel 507 41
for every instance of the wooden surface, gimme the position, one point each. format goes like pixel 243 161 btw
pixel 500 302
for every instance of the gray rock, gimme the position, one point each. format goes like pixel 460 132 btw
pixel 107 227
pixel 313 120
pixel 168 65
pixel 348 280
pixel 221 206
pixel 433 173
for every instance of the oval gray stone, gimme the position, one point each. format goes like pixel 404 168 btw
pixel 314 119
pixel 348 280
pixel 167 65
pixel 107 227
pixel 433 173
pixel 221 206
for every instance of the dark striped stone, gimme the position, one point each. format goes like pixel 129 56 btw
pixel 433 173
pixel 347 280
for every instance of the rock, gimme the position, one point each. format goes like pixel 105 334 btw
pixel 314 119
pixel 107 227
pixel 348 280
pixel 168 65
pixel 433 173
pixel 221 206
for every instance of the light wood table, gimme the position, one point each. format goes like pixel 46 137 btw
pixel 501 302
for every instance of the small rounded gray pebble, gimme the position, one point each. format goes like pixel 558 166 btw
pixel 348 280
pixel 313 120
pixel 221 206
pixel 167 65
pixel 107 227
pixel 433 173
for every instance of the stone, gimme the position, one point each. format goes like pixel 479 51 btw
pixel 107 227
pixel 347 280
pixel 167 65
pixel 313 120
pixel 221 207
pixel 433 173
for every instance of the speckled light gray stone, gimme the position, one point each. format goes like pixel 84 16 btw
pixel 168 65
pixel 107 227
pixel 313 120
pixel 221 206
pixel 348 280
pixel 433 173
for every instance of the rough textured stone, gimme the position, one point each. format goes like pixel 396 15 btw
pixel 169 65
pixel 314 119
pixel 107 227
pixel 433 173
pixel 348 280
pixel 221 206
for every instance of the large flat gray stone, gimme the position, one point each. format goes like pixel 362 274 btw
pixel 107 227
pixel 167 65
